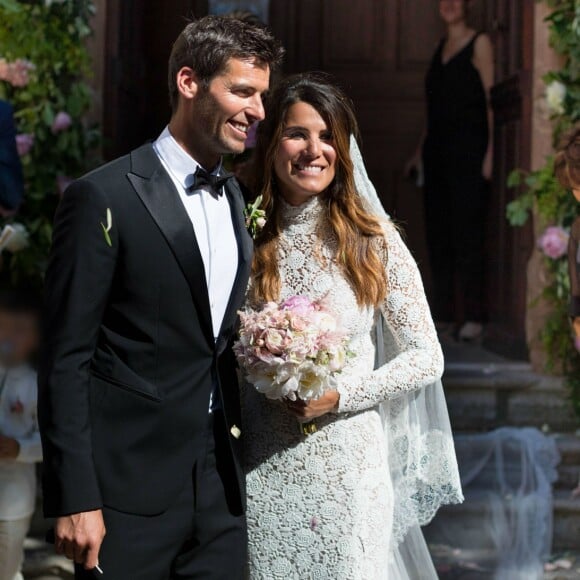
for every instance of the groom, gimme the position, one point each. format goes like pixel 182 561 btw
pixel 138 406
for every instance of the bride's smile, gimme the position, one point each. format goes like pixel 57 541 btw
pixel 305 163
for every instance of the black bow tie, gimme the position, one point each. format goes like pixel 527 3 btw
pixel 214 183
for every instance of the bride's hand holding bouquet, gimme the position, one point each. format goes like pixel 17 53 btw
pixel 292 352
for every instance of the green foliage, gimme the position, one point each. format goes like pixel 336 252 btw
pixel 51 35
pixel 540 191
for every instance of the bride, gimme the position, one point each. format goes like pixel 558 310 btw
pixel 346 501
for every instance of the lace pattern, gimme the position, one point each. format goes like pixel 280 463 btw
pixel 323 506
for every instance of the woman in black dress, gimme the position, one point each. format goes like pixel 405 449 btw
pixel 456 151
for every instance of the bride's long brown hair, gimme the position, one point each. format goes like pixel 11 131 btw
pixel 357 232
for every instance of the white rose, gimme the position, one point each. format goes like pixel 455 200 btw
pixel 313 381
pixel 324 322
pixel 14 237
pixel 337 360
pixel 555 95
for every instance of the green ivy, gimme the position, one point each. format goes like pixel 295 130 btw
pixel 555 205
pixel 52 36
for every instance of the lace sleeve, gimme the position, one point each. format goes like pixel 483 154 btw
pixel 419 361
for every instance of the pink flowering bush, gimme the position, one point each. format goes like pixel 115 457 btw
pixel 44 64
pixel 16 73
pixel 554 242
pixel 291 350
pixel 61 122
pixel 24 143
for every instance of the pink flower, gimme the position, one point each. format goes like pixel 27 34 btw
pixel 62 182
pixel 554 242
pixel 24 143
pixel 274 341
pixel 300 305
pixel 298 323
pixel 291 350
pixel 17 72
pixel 61 122
pixel 577 343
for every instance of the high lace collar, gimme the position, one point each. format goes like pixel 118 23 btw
pixel 304 217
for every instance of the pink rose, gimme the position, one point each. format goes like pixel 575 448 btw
pixel 274 341
pixel 61 122
pixel 554 242
pixel 24 143
pixel 17 72
pixel 300 305
pixel 298 323
pixel 265 355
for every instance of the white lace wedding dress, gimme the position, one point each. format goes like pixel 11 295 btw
pixel 321 506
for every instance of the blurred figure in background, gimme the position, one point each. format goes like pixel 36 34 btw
pixel 455 155
pixel 11 179
pixel 20 445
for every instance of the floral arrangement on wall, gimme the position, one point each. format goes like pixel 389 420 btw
pixel 44 64
pixel 552 205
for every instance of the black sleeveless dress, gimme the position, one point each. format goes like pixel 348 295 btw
pixel 455 190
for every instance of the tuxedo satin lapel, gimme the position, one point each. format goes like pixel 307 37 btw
pixel 245 250
pixel 157 192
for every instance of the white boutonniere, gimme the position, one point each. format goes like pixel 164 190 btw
pixel 107 228
pixel 255 217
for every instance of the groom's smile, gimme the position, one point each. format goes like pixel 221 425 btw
pixel 222 113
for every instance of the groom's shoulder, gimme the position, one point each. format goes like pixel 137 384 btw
pixel 114 173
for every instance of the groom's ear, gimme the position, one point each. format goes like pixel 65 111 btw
pixel 187 82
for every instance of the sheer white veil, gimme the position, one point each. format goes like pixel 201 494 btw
pixel 422 461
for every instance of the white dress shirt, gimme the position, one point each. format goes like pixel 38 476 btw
pixel 18 421
pixel 211 219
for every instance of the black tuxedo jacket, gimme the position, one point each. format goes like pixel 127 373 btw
pixel 129 357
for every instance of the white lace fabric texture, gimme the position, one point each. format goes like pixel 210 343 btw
pixel 323 506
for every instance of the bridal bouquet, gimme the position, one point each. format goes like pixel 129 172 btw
pixel 292 350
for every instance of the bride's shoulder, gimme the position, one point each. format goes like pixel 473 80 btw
pixel 392 241
pixel 391 231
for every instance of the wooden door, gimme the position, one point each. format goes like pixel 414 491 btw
pixel 379 51
pixel 140 34
pixel 509 249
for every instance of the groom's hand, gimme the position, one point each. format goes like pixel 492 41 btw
pixel 328 403
pixel 79 537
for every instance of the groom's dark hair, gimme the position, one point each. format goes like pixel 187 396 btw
pixel 206 45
